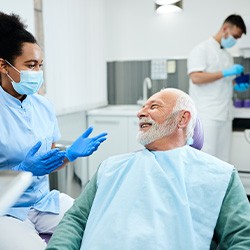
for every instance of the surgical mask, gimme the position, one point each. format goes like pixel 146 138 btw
pixel 30 81
pixel 228 42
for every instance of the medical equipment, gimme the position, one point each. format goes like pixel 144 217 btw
pixel 228 42
pixel 30 81
pixel 241 87
pixel 242 83
pixel 198 136
pixel 241 96
pixel 12 185
pixel 243 78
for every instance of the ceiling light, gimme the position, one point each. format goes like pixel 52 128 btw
pixel 163 2
pixel 168 6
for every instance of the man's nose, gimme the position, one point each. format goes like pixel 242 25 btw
pixel 142 112
pixel 37 68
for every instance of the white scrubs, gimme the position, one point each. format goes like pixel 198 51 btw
pixel 213 100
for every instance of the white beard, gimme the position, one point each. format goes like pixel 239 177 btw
pixel 156 131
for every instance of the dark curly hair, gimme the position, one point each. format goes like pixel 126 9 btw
pixel 13 34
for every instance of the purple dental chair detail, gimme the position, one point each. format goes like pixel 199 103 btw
pixel 45 236
pixel 198 136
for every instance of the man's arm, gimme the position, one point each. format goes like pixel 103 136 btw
pixel 232 230
pixel 201 77
pixel 69 233
pixel 197 67
pixel 198 63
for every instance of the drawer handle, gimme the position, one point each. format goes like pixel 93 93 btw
pixel 247 135
pixel 243 172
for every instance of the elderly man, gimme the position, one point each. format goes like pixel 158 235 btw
pixel 167 196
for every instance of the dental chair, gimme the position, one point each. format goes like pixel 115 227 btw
pixel 45 237
pixel 198 137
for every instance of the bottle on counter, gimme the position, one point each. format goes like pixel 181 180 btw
pixel 238 100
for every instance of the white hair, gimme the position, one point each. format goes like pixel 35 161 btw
pixel 184 102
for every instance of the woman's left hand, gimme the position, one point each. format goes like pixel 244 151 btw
pixel 85 146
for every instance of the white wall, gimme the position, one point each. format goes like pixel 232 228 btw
pixel 75 54
pixel 136 32
pixel 24 8
pixel 81 35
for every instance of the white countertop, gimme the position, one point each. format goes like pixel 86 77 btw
pixel 115 110
pixel 241 113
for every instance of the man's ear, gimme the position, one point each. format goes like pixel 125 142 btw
pixel 224 28
pixel 3 66
pixel 184 119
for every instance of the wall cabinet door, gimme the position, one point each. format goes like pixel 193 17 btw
pixel 117 139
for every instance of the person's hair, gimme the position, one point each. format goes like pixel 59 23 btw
pixel 237 21
pixel 13 34
pixel 184 102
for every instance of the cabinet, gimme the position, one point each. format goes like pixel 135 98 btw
pixel 240 156
pixel 240 146
pixel 121 129
pixel 71 125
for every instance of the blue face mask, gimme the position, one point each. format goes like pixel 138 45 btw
pixel 228 42
pixel 30 81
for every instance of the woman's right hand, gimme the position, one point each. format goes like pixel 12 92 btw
pixel 41 164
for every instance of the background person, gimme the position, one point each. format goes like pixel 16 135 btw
pixel 211 71
pixel 167 196
pixel 28 132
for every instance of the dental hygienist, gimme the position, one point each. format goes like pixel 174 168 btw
pixel 28 131
pixel 211 71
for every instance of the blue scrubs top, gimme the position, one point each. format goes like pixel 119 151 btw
pixel 23 124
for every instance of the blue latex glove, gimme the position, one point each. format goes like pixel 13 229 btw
pixel 241 87
pixel 84 146
pixel 236 69
pixel 41 164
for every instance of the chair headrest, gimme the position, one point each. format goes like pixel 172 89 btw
pixel 198 136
